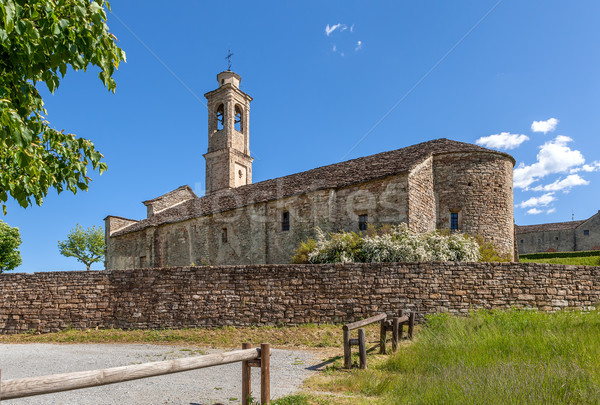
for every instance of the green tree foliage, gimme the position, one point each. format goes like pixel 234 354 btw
pixel 39 40
pixel 10 240
pixel 86 245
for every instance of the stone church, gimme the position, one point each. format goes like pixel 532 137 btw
pixel 440 184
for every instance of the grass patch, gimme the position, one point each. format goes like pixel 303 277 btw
pixel 550 255
pixel 573 260
pixel 303 336
pixel 509 357
pixel 583 258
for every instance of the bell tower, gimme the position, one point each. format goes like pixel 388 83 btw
pixel 228 161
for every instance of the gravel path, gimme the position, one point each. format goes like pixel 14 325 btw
pixel 215 385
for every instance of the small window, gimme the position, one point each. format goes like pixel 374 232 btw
pixel 586 232
pixel 285 221
pixel 142 262
pixel 363 221
pixel 522 241
pixel 556 238
pixel 224 235
pixel 220 115
pixel 454 221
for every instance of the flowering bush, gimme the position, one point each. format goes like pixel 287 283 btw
pixel 391 244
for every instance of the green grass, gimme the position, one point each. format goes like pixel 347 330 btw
pixel 584 258
pixel 512 357
pixel 577 261
pixel 550 255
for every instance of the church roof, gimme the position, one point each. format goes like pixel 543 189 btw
pixel 337 175
pixel 555 226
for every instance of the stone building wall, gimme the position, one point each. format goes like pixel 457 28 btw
pixel 559 240
pixel 254 232
pixel 589 240
pixel 477 186
pixel 560 236
pixel 421 198
pixel 283 294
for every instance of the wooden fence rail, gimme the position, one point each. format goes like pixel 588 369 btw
pixel 256 357
pixel 395 325
pixel 362 346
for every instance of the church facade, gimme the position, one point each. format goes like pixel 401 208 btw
pixel 440 184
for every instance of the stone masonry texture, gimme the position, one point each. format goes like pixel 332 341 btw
pixel 209 296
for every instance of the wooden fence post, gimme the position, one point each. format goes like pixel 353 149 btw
pixel 395 326
pixel 411 324
pixel 246 379
pixel 362 348
pixel 347 350
pixel 265 370
pixel 401 314
pixel 382 338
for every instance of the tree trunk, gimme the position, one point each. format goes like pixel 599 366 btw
pixel 88 266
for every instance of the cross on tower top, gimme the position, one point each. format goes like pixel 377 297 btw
pixel 228 57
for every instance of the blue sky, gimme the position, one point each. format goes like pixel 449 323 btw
pixel 333 81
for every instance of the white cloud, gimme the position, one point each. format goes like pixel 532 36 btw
pixel 329 29
pixel 565 184
pixel 551 210
pixel 504 140
pixel 544 126
pixel 334 48
pixel 543 200
pixel 593 167
pixel 554 157
pixel 534 211
pixel 352 28
pixel 358 46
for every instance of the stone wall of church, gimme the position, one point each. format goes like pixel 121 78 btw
pixel 283 294
pixel 477 186
pixel 253 234
pixel 421 198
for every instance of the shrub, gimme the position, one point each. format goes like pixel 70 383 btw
pixel 302 251
pixel 388 244
pixel 489 253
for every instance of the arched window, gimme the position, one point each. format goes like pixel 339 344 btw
pixel 238 119
pixel 220 115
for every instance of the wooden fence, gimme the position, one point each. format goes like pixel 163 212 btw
pixel 250 357
pixel 395 325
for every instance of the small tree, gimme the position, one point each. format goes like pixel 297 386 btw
pixel 86 245
pixel 10 239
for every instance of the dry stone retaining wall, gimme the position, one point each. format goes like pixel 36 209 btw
pixel 282 294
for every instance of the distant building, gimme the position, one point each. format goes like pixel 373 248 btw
pixel 560 236
pixel 440 184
